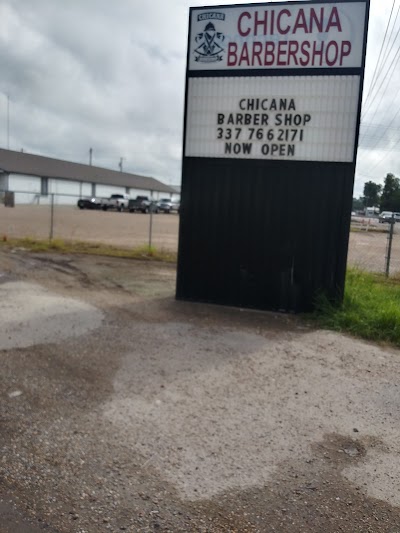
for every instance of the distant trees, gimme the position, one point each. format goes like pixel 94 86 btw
pixel 358 204
pixel 371 193
pixel 390 197
pixel 387 197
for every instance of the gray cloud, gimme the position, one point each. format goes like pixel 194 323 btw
pixel 110 75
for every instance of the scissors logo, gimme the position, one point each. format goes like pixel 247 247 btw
pixel 209 41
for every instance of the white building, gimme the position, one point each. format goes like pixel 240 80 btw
pixel 35 179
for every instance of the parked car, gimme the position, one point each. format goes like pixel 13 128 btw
pixel 89 203
pixel 165 205
pixel 143 204
pixel 116 201
pixel 388 216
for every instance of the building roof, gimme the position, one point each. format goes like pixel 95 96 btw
pixel 46 167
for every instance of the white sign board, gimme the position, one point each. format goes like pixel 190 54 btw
pixel 277 36
pixel 276 113
pixel 292 118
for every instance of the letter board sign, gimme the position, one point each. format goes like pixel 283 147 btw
pixel 272 113
pixel 276 36
pixel 309 117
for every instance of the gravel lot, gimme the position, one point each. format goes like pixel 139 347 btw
pixel 109 227
pixel 124 410
pixel 367 248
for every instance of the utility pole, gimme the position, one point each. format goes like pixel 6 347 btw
pixel 8 121
pixel 120 164
pixel 90 156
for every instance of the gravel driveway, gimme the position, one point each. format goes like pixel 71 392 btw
pixel 124 410
pixel 367 249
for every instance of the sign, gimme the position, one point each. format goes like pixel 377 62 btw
pixel 276 36
pixel 275 81
pixel 272 113
pixel 295 118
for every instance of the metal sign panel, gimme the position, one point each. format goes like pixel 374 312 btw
pixel 326 35
pixel 297 118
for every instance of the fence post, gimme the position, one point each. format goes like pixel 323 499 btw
pixel 389 246
pixel 51 217
pixel 150 226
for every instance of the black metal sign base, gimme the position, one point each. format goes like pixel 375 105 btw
pixel 263 234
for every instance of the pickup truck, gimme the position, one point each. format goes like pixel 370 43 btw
pixel 116 201
pixel 165 205
pixel 389 216
pixel 142 204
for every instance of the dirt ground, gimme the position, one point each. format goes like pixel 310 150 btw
pixel 125 410
pixel 108 227
pixel 367 248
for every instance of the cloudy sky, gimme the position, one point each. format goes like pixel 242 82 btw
pixel 110 75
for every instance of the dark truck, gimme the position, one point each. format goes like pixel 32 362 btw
pixel 143 204
pixel 89 203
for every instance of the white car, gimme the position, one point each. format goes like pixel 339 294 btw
pixel 165 205
pixel 387 216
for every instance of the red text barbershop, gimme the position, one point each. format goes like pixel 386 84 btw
pixel 294 51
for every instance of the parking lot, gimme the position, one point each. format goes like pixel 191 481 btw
pixel 108 227
pixel 367 249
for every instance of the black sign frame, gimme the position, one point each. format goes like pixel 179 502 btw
pixel 265 234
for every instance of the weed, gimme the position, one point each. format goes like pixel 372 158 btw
pixel 77 247
pixel 370 309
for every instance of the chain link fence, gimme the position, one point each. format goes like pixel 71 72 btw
pixel 56 216
pixel 373 246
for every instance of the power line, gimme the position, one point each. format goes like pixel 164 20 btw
pixel 387 54
pixel 377 125
pixel 395 58
pixel 386 155
pixel 385 130
pixel 380 53
pixel 8 121
pixel 380 69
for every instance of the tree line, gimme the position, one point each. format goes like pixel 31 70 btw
pixel 386 196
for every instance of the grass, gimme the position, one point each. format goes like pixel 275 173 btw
pixel 370 310
pixel 77 247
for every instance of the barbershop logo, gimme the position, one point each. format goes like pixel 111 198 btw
pixel 209 42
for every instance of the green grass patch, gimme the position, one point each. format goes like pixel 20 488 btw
pixel 77 247
pixel 371 308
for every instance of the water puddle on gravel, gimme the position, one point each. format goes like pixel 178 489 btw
pixel 31 314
